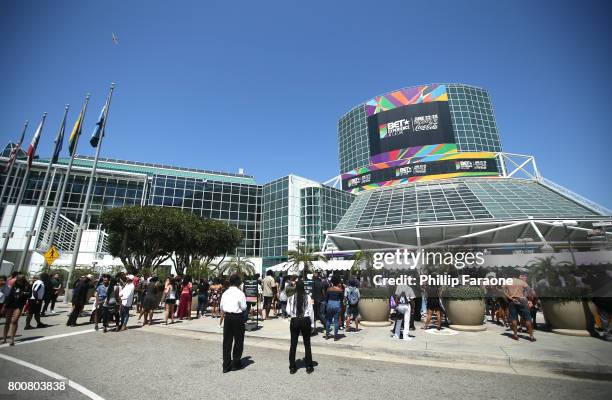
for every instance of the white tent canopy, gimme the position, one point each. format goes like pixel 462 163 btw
pixel 331 265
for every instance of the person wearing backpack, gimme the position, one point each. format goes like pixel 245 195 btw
pixel 352 296
pixel 404 298
pixel 110 305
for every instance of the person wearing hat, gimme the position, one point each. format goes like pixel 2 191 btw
pixel 127 298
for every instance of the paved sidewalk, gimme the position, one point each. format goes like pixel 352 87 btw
pixel 493 347
pixel 490 349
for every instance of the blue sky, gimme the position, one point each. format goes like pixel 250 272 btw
pixel 260 85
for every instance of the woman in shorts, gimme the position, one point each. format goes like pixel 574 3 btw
pixel 433 306
pixel 214 294
pixel 13 307
pixel 170 292
pixel 151 300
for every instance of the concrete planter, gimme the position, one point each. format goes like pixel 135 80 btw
pixel 573 317
pixel 465 315
pixel 374 310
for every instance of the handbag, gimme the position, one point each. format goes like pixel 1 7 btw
pixel 392 304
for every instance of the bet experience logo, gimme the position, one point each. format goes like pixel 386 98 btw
pixel 422 123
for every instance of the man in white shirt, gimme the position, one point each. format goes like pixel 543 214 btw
pixel 35 303
pixel 127 298
pixel 404 298
pixel 233 305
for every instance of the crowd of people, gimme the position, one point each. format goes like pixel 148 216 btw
pixel 331 299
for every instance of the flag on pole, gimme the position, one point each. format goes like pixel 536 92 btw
pixel 59 139
pixel 76 132
pixel 98 132
pixel 15 150
pixel 34 142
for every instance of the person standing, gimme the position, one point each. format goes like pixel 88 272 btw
pixel 79 298
pixel 433 306
pixel 404 298
pixel 268 285
pixel 233 305
pixel 127 298
pixel 4 292
pixel 202 296
pixel 214 296
pixel 352 296
pixel 333 300
pixel 184 309
pixel 35 303
pixel 13 305
pixel 101 291
pixel 151 300
pixel 299 308
pixel 170 291
pixel 317 295
pixel 110 304
pixel 518 305
pixel 55 285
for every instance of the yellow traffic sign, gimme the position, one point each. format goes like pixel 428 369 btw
pixel 51 255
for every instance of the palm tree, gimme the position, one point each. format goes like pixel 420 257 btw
pixel 364 260
pixel 546 268
pixel 304 255
pixel 237 265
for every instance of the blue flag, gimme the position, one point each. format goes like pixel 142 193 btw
pixel 59 139
pixel 98 131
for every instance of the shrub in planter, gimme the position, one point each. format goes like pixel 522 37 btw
pixel 464 293
pixel 565 305
pixel 465 305
pixel 567 308
pixel 374 304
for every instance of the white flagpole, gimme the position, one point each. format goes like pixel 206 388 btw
pixel 31 231
pixel 92 177
pixel 9 231
pixel 62 192
pixel 10 170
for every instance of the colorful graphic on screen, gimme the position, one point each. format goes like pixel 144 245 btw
pixel 434 166
pixel 406 96
pixel 408 118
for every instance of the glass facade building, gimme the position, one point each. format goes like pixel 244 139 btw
pixel 322 207
pixel 294 210
pixel 475 199
pixel 232 198
pixel 472 118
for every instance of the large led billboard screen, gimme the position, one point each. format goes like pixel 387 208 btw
pixel 407 119
pixel 418 169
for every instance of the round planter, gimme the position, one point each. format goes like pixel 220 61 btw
pixel 465 315
pixel 374 310
pixel 573 317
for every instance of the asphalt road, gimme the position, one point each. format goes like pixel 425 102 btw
pixel 143 365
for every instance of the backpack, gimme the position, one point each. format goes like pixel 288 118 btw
pixel 353 296
pixel 403 299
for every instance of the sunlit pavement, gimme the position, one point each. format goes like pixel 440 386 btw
pixel 76 353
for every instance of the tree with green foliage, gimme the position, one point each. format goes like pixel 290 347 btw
pixel 145 237
pixel 141 237
pixel 304 255
pixel 364 260
pixel 237 265
pixel 201 240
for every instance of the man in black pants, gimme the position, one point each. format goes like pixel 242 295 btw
pixel 79 298
pixel 233 304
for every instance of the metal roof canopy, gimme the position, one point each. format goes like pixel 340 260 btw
pixel 487 234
